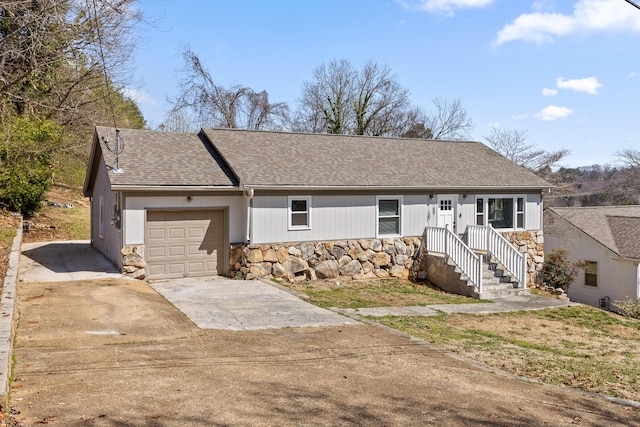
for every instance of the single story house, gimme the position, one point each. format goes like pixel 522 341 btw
pixel 255 203
pixel 607 239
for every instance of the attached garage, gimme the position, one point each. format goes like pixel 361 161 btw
pixel 185 243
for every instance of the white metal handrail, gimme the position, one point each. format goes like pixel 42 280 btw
pixel 444 241
pixel 488 239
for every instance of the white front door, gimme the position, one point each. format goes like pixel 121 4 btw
pixel 447 212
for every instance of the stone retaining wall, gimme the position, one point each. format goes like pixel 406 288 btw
pixel 359 259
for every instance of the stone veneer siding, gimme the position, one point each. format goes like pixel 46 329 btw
pixel 359 259
pixel 531 243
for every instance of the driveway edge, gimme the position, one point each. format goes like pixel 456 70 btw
pixel 7 316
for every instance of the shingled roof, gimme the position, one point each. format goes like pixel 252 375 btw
pixel 615 227
pixel 270 159
pixel 160 159
pixel 262 159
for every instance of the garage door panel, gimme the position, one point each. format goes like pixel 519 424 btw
pixel 185 243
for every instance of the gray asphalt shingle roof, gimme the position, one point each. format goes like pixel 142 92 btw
pixel 263 158
pixel 285 159
pixel 616 227
pixel 152 158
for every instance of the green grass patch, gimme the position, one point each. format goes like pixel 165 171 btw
pixel 375 293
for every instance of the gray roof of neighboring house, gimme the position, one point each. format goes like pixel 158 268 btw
pixel 615 227
pixel 261 158
pixel 152 158
pixel 234 157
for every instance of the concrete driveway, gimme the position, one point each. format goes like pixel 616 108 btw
pixel 113 352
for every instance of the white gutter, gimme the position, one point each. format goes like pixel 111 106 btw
pixel 396 188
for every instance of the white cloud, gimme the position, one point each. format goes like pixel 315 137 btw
pixel 588 85
pixel 632 75
pixel 139 97
pixel 553 112
pixel 447 7
pixel 588 16
pixel 549 92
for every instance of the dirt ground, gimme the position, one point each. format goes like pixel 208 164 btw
pixel 115 353
pixel 8 224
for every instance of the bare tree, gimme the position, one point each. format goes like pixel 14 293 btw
pixel 342 99
pixel 211 104
pixel 630 160
pixel 512 144
pixel 449 120
pixel 62 58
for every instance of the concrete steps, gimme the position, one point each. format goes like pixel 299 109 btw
pixel 496 282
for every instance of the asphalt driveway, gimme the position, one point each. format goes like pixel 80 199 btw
pixel 113 352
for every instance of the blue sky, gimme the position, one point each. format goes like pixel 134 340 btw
pixel 567 72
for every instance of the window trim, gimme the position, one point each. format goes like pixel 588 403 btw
pixel 485 206
pixel 101 216
pixel 591 274
pixel 399 199
pixel 290 213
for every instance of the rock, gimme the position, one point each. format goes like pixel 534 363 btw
pixel 128 269
pixel 258 270
pixel 311 274
pixel 295 265
pixel 381 273
pixel 341 244
pixel 401 259
pixel 328 245
pixel 134 260
pixel 369 275
pixel 367 266
pixel 235 255
pixel 351 268
pixel 364 244
pixel 138 274
pixel 278 270
pixel 307 249
pixel 282 254
pixel 293 251
pixel 328 269
pixel 401 247
pixel 337 252
pixel 558 291
pixel 399 271
pixel 270 255
pixel 421 275
pixel 344 261
pixel 376 245
pixel 380 259
pixel 255 255
pixel 355 252
pixel 390 249
pixel 128 250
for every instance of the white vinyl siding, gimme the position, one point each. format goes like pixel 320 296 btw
pixel 105 237
pixel 135 208
pixel 101 217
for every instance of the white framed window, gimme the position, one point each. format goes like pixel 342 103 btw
pixel 299 212
pixel 591 274
pixel 501 212
pixel 389 215
pixel 101 217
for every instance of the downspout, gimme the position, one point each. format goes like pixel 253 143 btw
pixel 248 196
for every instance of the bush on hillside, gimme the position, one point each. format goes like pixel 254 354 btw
pixel 25 162
pixel 629 307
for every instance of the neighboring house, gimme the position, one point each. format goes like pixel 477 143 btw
pixel 234 202
pixel 607 238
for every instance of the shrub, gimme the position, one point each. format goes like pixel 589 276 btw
pixel 25 162
pixel 558 272
pixel 629 307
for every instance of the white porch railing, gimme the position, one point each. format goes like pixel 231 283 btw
pixel 444 241
pixel 487 239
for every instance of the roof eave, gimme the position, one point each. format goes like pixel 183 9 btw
pixel 194 188
pixel 394 187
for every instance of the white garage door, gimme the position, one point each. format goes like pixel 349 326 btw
pixel 185 243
